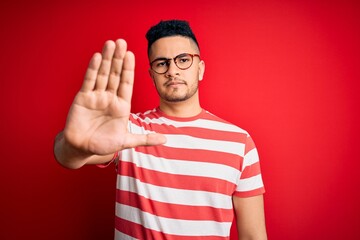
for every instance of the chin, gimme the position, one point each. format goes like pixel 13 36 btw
pixel 177 96
pixel 175 99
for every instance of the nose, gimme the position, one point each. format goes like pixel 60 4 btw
pixel 173 70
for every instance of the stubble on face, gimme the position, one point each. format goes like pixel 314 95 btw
pixel 177 90
pixel 179 85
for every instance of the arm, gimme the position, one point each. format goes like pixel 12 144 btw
pixel 96 125
pixel 250 218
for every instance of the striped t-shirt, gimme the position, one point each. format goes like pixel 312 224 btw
pixel 183 189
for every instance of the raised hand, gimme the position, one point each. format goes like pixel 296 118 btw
pixel 98 118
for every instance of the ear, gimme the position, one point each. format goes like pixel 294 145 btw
pixel 201 70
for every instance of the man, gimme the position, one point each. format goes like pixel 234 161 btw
pixel 181 171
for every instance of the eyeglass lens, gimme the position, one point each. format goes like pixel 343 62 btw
pixel 182 61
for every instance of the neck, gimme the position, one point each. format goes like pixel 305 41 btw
pixel 188 108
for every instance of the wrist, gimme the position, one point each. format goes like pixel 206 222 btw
pixel 68 155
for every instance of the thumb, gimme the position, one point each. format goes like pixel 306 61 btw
pixel 151 139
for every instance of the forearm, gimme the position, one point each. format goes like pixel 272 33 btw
pixel 73 158
pixel 256 230
pixel 261 235
pixel 250 218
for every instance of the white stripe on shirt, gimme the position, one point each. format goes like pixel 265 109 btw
pixel 250 158
pixel 249 184
pixel 173 195
pixel 199 123
pixel 122 236
pixel 188 142
pixel 181 167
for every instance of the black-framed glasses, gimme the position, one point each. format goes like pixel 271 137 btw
pixel 182 61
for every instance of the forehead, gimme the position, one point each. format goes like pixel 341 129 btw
pixel 172 46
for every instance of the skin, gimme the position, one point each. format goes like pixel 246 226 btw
pixel 96 126
pixel 178 89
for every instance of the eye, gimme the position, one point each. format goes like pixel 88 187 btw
pixel 184 59
pixel 161 63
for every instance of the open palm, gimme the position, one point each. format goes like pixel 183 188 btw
pixel 98 118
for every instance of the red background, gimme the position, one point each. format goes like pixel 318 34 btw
pixel 286 71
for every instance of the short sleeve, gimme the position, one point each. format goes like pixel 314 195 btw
pixel 250 182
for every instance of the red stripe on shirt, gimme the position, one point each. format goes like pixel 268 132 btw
pixel 174 211
pixel 176 181
pixel 251 171
pixel 250 193
pixel 198 132
pixel 138 231
pixel 250 145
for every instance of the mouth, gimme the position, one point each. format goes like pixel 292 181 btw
pixel 174 83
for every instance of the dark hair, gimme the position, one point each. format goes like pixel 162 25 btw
pixel 170 28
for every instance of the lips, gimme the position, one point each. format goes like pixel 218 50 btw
pixel 174 83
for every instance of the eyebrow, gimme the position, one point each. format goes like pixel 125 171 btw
pixel 164 58
pixel 161 58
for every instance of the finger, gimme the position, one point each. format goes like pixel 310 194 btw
pixel 104 70
pixel 135 140
pixel 127 77
pixel 116 65
pixel 91 73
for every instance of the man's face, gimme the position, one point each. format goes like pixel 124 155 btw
pixel 176 85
